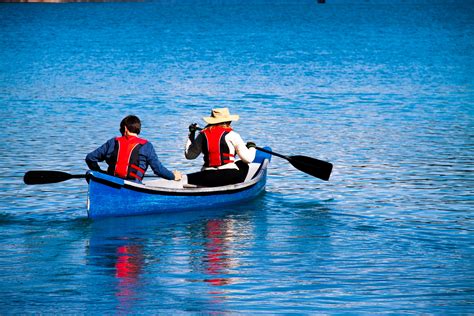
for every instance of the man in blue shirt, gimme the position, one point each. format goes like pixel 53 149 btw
pixel 129 156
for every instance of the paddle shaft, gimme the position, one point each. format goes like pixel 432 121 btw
pixel 78 176
pixel 273 153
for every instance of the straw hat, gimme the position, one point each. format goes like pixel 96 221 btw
pixel 219 116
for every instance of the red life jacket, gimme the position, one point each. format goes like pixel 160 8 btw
pixel 215 149
pixel 125 158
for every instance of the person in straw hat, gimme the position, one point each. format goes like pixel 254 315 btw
pixel 219 145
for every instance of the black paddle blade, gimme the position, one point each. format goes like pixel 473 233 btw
pixel 43 177
pixel 315 167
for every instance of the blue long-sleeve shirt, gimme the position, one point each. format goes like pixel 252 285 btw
pixel 146 157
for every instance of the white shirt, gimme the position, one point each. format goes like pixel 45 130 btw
pixel 234 142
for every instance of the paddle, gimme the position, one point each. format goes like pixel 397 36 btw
pixel 312 166
pixel 48 176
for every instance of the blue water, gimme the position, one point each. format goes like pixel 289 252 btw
pixel 382 89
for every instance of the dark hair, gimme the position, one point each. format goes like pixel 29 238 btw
pixel 132 123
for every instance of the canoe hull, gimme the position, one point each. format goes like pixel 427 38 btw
pixel 110 196
pixel 106 201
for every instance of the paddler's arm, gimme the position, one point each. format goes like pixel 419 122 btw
pixel 99 155
pixel 193 147
pixel 155 164
pixel 247 155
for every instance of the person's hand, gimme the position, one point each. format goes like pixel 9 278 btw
pixel 193 128
pixel 177 175
pixel 251 145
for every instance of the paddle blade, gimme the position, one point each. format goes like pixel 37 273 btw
pixel 312 166
pixel 43 177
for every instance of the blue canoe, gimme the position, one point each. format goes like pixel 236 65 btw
pixel 109 196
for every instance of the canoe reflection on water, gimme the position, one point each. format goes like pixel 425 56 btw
pixel 198 246
pixel 128 267
pixel 121 258
pixel 217 259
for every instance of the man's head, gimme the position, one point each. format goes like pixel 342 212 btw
pixel 132 123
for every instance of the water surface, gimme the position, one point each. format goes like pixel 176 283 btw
pixel 383 91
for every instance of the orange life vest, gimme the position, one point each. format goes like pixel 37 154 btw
pixel 215 149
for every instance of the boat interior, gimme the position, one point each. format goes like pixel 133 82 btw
pixel 252 176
